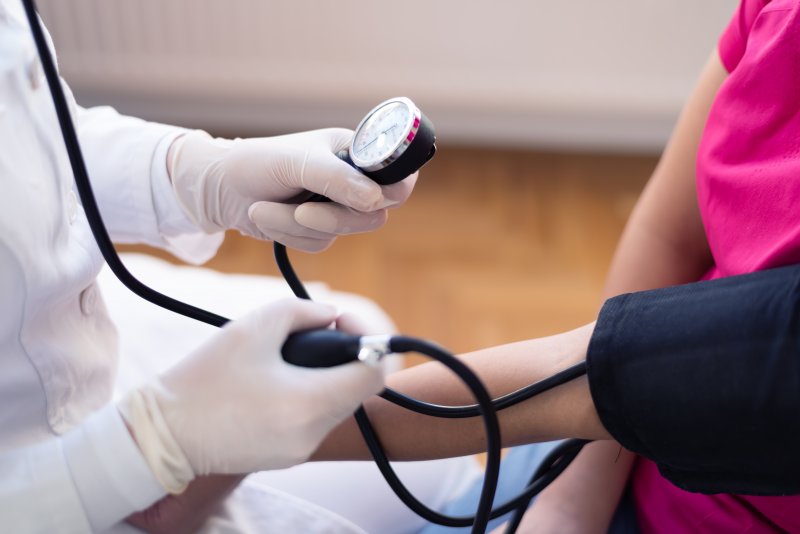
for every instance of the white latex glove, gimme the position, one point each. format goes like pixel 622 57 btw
pixel 235 406
pixel 257 186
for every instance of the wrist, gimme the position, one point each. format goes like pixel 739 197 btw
pixel 194 163
pixel 146 424
pixel 171 216
pixel 174 148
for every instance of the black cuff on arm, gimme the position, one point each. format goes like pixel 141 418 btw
pixel 704 379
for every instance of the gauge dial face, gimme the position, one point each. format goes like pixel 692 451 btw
pixel 381 133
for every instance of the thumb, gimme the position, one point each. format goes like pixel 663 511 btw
pixel 325 173
pixel 338 139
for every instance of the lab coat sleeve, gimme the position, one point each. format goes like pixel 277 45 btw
pixel 127 162
pixel 86 481
pixel 704 379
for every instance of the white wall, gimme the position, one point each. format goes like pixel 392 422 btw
pixel 567 74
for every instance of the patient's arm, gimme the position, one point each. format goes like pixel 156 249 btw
pixel 700 378
pixel 566 411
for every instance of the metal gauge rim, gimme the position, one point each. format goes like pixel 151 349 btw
pixel 410 132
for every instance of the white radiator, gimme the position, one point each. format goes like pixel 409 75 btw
pixel 584 73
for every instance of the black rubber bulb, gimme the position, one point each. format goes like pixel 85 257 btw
pixel 321 348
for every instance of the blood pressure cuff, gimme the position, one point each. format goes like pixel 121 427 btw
pixel 704 379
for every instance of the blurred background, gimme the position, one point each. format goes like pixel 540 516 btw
pixel 549 115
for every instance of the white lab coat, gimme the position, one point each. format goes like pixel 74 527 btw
pixel 67 461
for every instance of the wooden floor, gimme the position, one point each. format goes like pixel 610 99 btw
pixel 494 246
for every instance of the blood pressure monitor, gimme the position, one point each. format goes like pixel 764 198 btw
pixel 393 140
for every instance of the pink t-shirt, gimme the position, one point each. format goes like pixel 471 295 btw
pixel 748 189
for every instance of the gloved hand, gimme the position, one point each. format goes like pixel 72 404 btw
pixel 257 186
pixel 235 406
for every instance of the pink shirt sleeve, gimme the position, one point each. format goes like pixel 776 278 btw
pixel 733 41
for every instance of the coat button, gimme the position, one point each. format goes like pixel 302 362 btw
pixel 72 206
pixel 89 300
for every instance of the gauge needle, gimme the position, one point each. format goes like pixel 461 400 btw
pixel 378 137
pixel 365 146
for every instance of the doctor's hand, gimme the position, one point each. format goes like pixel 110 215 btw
pixel 235 406
pixel 257 186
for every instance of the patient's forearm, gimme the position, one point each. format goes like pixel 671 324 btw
pixel 566 411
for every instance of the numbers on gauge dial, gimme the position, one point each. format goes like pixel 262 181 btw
pixel 382 132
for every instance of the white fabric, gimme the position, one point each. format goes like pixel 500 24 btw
pixel 57 345
pixel 135 197
pixel 94 452
pixel 255 508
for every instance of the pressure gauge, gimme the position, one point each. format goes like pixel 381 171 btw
pixel 392 141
